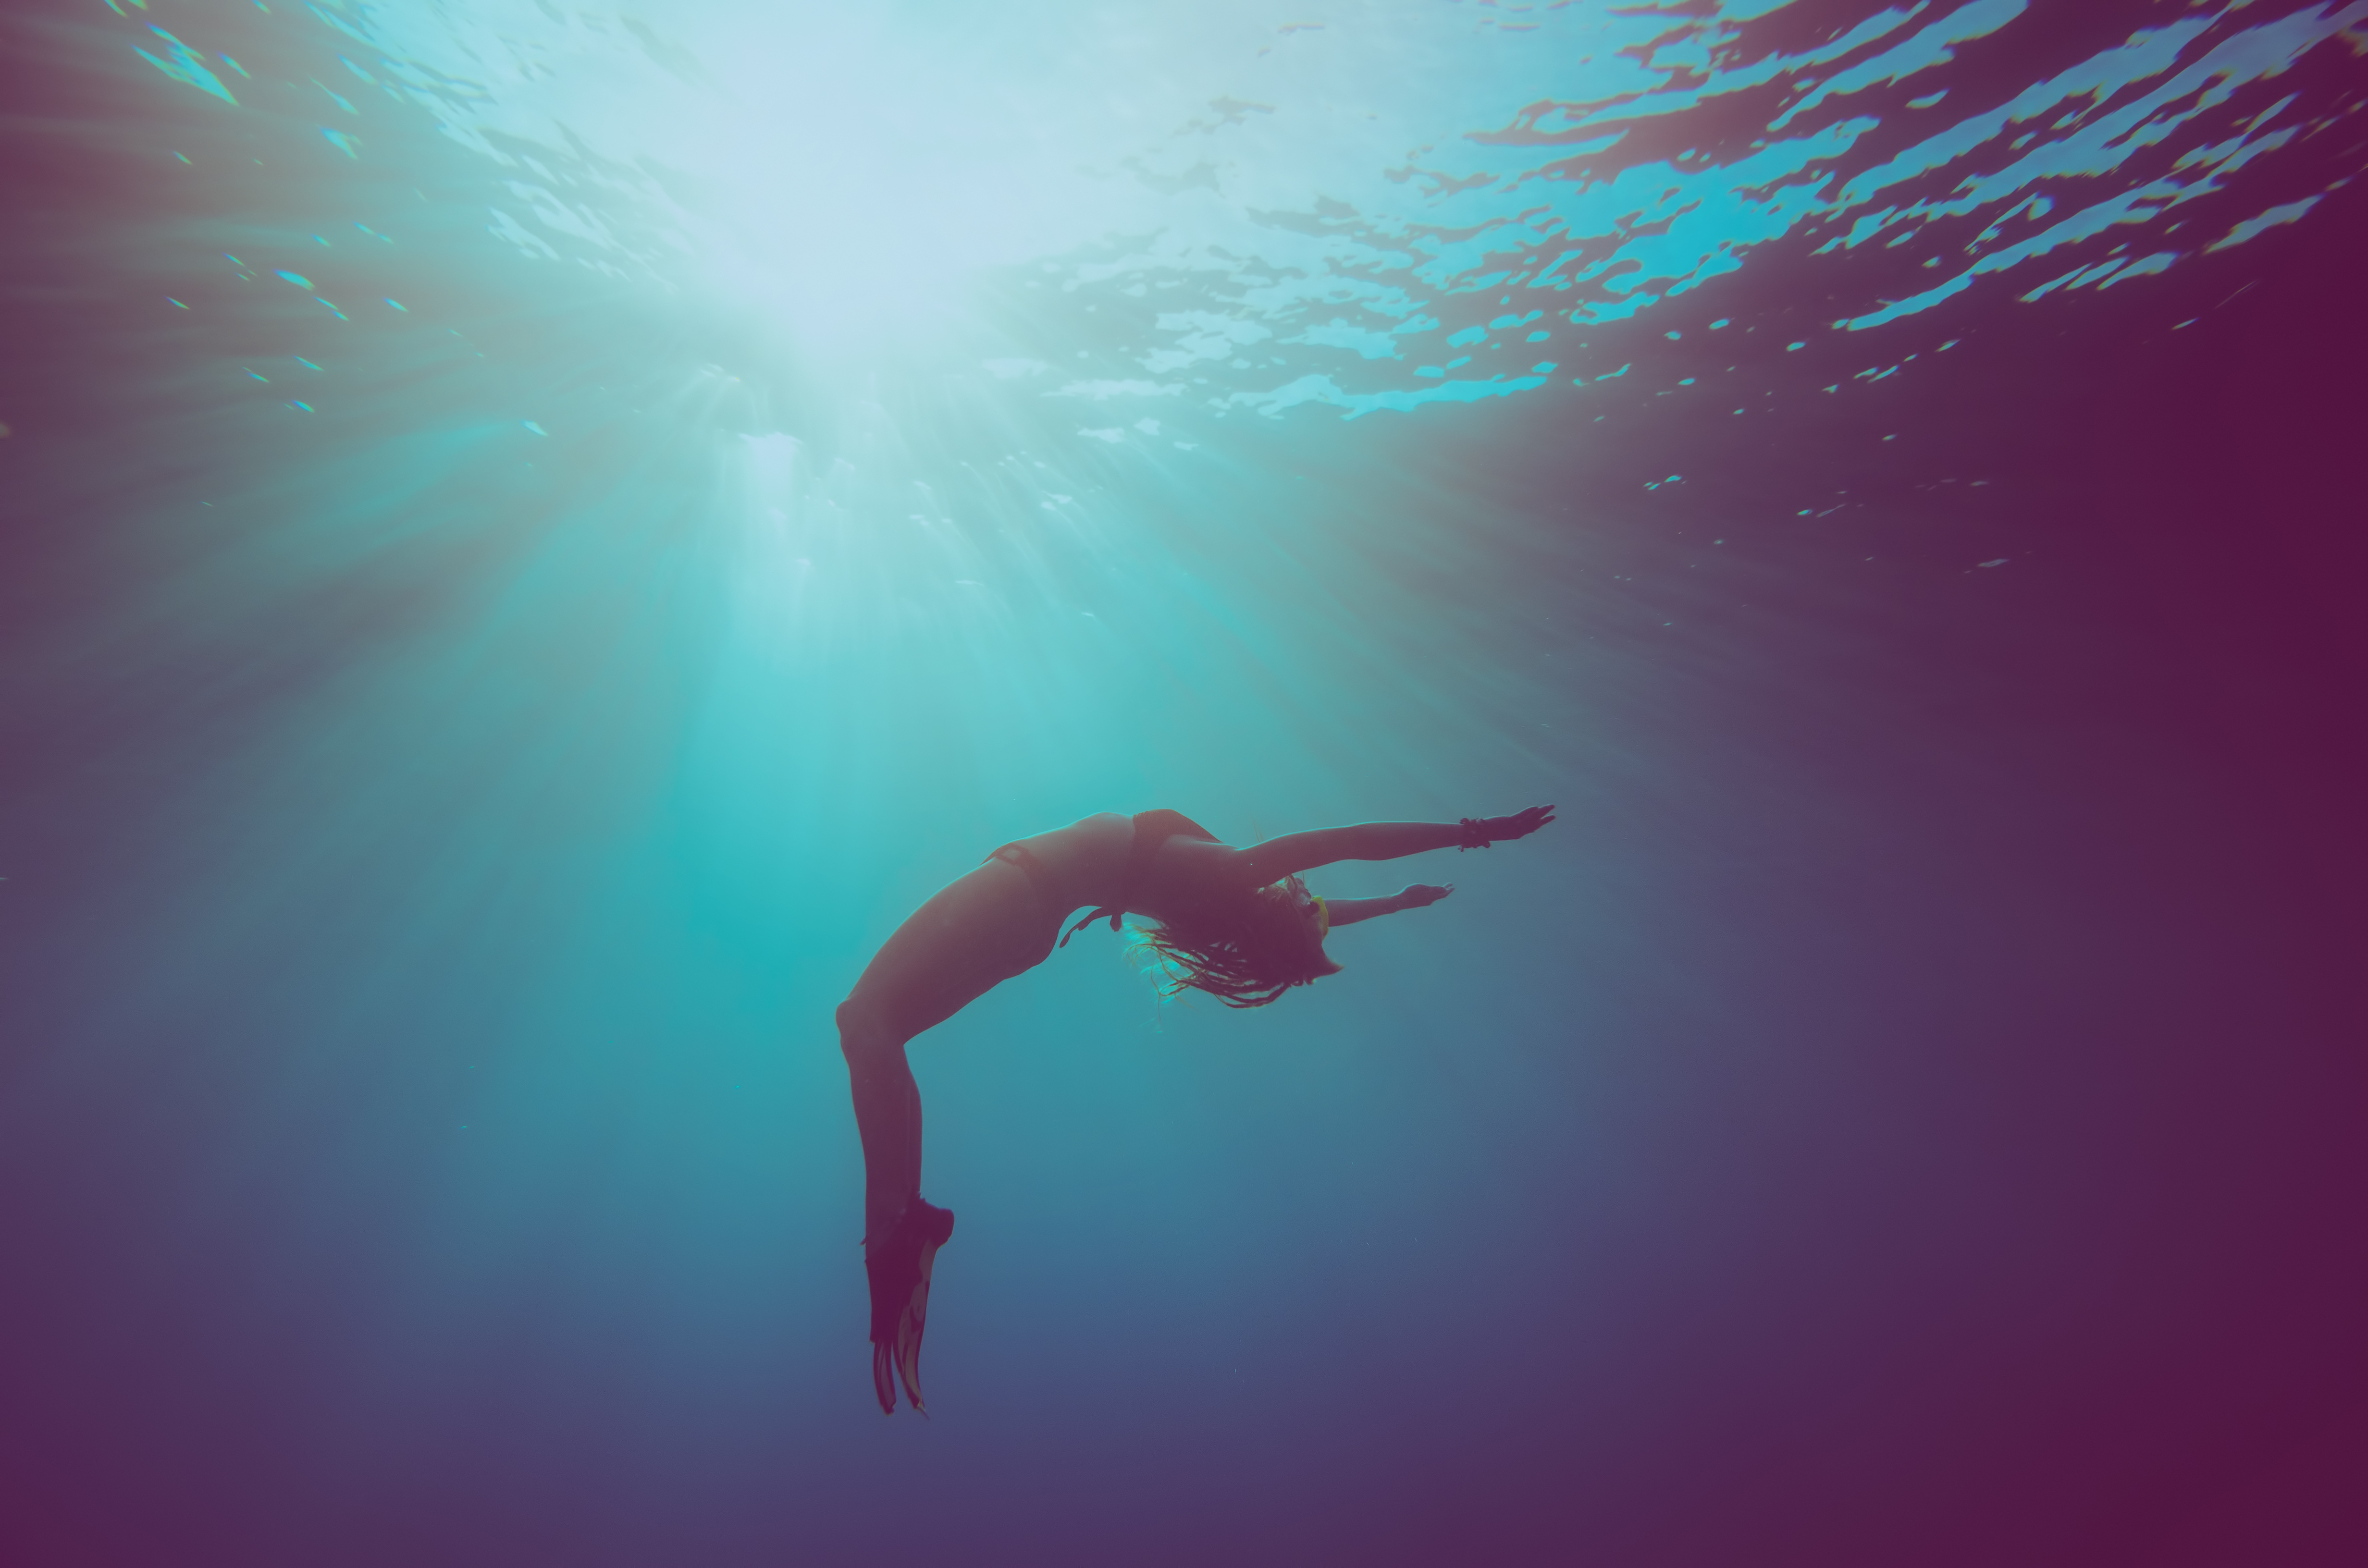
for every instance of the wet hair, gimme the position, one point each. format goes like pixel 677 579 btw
pixel 1246 953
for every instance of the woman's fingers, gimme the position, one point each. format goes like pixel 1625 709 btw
pixel 1520 825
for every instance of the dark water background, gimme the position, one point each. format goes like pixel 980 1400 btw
pixel 1908 1110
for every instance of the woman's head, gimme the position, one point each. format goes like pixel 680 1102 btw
pixel 1251 950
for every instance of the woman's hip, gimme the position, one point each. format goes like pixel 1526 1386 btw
pixel 974 933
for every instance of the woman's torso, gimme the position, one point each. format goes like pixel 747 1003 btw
pixel 1086 863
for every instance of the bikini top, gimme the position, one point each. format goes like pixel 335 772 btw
pixel 1151 829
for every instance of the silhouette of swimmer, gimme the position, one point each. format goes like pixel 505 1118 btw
pixel 1235 923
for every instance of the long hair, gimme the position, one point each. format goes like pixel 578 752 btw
pixel 1246 952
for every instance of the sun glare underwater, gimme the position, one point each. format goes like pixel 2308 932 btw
pixel 534 536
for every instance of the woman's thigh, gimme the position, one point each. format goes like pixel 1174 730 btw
pixel 972 935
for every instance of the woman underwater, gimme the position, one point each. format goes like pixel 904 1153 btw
pixel 1235 923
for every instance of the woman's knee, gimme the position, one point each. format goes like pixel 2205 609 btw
pixel 861 1031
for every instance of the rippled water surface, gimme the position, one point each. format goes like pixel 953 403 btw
pixel 534 536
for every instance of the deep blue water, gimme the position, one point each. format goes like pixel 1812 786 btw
pixel 534 537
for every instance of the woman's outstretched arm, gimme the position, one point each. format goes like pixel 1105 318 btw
pixel 1349 910
pixel 1296 852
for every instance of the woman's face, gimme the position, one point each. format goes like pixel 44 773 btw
pixel 1304 902
pixel 1300 899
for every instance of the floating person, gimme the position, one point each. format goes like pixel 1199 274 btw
pixel 1235 923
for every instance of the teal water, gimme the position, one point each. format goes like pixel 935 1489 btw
pixel 538 536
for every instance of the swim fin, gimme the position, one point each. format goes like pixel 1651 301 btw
pixel 899 1269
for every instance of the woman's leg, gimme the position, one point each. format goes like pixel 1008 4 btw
pixel 887 1117
pixel 973 934
pixel 982 929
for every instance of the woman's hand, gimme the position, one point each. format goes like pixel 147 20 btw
pixel 1520 825
pixel 1416 897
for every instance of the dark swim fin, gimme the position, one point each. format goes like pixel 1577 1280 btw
pixel 883 1380
pixel 899 1269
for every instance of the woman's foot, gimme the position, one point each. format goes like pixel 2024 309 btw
pixel 899 1266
